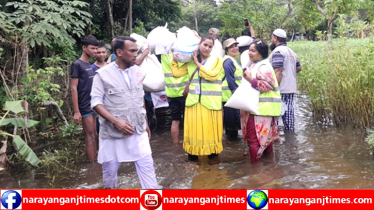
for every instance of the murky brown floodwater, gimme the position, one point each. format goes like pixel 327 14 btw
pixel 318 157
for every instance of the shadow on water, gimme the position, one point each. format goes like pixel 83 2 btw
pixel 316 157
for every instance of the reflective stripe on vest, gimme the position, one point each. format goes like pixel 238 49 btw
pixel 269 102
pixel 238 74
pixel 174 87
pixel 210 95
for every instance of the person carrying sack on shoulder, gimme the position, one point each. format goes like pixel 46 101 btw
pixel 203 125
pixel 261 130
pixel 174 87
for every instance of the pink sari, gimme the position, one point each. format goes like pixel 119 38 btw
pixel 266 126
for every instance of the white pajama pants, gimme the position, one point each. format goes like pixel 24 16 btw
pixel 144 168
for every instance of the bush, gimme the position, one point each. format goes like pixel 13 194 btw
pixel 340 84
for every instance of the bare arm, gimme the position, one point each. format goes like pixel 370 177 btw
pixel 251 30
pixel 140 60
pixel 122 125
pixel 74 95
pixel 298 69
pixel 278 74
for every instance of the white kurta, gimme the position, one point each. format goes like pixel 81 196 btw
pixel 128 149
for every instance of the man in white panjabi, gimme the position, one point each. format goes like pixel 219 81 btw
pixel 117 96
pixel 217 48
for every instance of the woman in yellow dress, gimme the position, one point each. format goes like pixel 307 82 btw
pixel 203 124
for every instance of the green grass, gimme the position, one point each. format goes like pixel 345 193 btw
pixel 340 86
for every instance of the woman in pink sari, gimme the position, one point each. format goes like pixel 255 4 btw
pixel 261 130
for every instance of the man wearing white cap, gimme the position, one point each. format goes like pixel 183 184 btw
pixel 286 65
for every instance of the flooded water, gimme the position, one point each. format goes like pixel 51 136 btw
pixel 317 157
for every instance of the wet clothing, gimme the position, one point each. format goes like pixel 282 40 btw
pixel 203 130
pixel 261 130
pixel 144 168
pixel 83 71
pixel 252 136
pixel 289 115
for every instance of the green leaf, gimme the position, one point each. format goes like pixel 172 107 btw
pixel 19 122
pixel 25 151
pixel 14 106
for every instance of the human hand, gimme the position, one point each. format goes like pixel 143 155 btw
pixel 247 75
pixel 146 51
pixel 124 127
pixel 194 57
pixel 77 118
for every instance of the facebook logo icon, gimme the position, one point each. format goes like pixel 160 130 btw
pixel 11 199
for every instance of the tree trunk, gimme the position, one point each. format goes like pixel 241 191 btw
pixel 130 17
pixel 329 34
pixel 111 22
pixel 196 26
pixel 24 58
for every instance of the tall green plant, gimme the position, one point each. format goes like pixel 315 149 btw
pixel 20 145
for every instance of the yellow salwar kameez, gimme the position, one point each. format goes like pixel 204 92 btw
pixel 203 127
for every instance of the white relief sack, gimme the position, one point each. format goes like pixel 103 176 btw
pixel 154 76
pixel 245 98
pixel 184 45
pixel 160 40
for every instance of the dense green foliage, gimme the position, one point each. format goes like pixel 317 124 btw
pixel 339 85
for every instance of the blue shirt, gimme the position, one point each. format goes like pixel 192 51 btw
pixel 230 69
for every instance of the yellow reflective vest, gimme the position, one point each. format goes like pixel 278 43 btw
pixel 174 86
pixel 269 102
pixel 238 74
pixel 208 93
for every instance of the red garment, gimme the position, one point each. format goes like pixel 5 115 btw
pixel 252 139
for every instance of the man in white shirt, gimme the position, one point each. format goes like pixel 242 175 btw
pixel 117 96
pixel 217 48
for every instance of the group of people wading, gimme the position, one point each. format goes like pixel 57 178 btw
pixel 196 91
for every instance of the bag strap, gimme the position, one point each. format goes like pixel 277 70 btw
pixel 197 68
pixel 193 74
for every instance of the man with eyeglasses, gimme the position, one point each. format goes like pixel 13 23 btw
pixel 286 66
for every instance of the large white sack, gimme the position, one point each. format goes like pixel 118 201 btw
pixel 244 59
pixel 159 99
pixel 160 40
pixel 154 76
pixel 245 98
pixel 141 41
pixel 244 41
pixel 185 44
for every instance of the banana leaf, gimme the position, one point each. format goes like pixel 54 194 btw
pixel 14 106
pixel 25 150
pixel 19 122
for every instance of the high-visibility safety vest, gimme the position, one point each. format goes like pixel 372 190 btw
pixel 269 102
pixel 208 93
pixel 238 74
pixel 174 86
